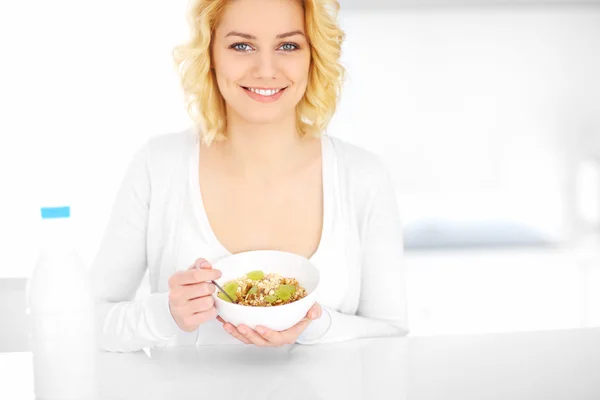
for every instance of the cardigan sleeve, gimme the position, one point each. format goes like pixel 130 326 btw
pixel 125 323
pixel 382 309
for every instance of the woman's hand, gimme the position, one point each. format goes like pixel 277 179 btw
pixel 265 337
pixel 190 295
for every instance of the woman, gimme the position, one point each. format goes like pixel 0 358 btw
pixel 262 79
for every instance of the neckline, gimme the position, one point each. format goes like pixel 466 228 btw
pixel 202 217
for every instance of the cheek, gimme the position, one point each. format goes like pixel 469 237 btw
pixel 297 71
pixel 228 68
pixel 228 73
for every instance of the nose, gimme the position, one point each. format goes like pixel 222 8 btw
pixel 265 66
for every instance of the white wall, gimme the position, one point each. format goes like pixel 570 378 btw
pixel 472 106
pixel 477 109
pixel 83 86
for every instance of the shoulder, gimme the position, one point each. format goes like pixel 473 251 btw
pixel 173 144
pixel 166 152
pixel 365 181
pixel 362 167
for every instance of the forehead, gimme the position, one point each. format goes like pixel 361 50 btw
pixel 261 18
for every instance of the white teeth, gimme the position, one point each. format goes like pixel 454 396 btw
pixel 262 92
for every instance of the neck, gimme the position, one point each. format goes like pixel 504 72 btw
pixel 261 150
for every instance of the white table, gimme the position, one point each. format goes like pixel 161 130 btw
pixel 528 365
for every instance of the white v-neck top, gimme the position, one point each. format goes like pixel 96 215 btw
pixel 159 224
pixel 201 222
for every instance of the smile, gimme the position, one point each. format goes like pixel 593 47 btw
pixel 264 95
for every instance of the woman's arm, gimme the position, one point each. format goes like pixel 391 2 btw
pixel 125 324
pixel 382 309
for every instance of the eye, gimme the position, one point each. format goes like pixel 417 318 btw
pixel 241 47
pixel 289 47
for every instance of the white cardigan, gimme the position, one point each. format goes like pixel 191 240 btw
pixel 158 225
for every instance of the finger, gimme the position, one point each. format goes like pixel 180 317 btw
pixel 232 330
pixel 253 336
pixel 199 318
pixel 297 329
pixel 205 275
pixel 274 337
pixel 193 276
pixel 190 292
pixel 201 304
pixel 201 263
pixel 315 312
pixel 235 333
pixel 187 277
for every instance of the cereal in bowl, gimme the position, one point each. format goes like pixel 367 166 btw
pixel 257 289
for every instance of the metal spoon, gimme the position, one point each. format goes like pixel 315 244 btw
pixel 219 287
pixel 222 291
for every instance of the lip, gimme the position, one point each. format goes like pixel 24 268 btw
pixel 264 99
pixel 265 88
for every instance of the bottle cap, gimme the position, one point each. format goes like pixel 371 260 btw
pixel 56 212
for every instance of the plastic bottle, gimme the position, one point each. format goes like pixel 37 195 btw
pixel 60 303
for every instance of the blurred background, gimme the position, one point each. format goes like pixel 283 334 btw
pixel 487 113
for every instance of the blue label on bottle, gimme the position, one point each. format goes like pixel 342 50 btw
pixel 56 212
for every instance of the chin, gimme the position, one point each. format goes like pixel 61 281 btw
pixel 261 119
pixel 262 116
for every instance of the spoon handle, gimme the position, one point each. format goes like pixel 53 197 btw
pixel 222 291
pixel 219 287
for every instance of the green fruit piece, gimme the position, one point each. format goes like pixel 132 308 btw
pixel 230 287
pixel 223 297
pixel 283 295
pixel 233 295
pixel 253 290
pixel 255 275
pixel 289 288
pixel 284 292
pixel 270 299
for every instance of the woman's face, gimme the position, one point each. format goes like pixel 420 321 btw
pixel 261 58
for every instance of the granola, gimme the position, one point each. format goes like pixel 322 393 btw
pixel 257 289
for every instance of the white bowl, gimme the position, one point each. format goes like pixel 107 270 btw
pixel 287 265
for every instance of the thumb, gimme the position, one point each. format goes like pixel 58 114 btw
pixel 201 263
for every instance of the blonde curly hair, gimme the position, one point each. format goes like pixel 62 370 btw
pixel 203 100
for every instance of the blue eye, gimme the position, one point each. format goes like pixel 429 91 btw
pixel 290 47
pixel 241 47
pixel 245 47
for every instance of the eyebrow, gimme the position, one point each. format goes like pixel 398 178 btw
pixel 251 37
